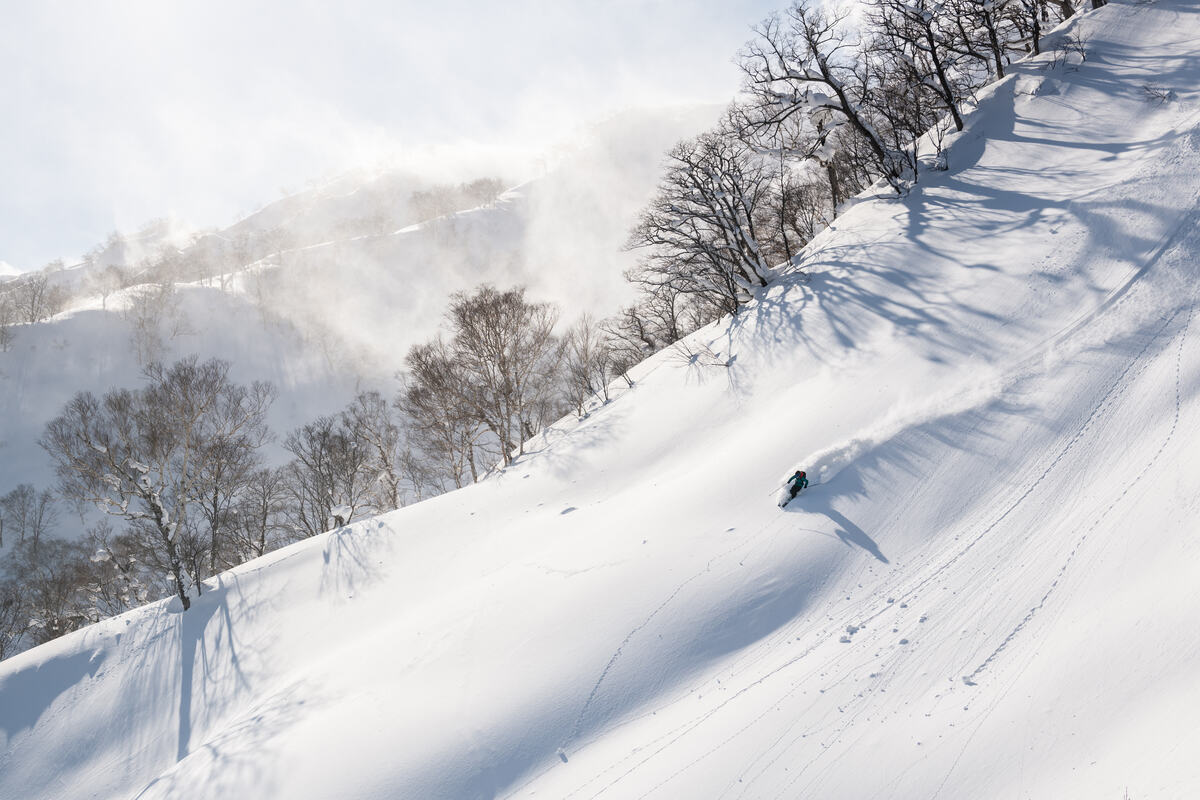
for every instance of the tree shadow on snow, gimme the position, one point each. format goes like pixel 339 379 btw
pixel 193 672
pixel 850 288
pixel 354 555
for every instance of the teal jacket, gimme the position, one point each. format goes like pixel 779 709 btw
pixel 798 481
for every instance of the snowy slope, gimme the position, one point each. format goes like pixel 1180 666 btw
pixel 989 593
pixel 343 314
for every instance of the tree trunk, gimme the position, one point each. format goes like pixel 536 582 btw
pixel 176 570
pixel 835 189
pixel 943 79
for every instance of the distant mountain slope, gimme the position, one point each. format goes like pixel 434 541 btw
pixel 322 320
pixel 561 235
pixel 989 592
pixel 89 349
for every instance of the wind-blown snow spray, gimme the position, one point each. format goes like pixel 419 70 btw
pixel 824 465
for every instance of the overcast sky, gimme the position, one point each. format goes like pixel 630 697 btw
pixel 119 112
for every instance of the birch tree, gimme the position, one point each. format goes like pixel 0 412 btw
pixel 804 63
pixel 142 455
pixel 505 348
pixel 701 229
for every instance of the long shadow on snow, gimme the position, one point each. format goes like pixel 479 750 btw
pixel 210 680
pixel 913 449
pixel 215 683
pixel 819 499
pixel 217 674
pixel 193 644
pixel 856 285
pixel 353 556
pixel 594 430
pixel 229 763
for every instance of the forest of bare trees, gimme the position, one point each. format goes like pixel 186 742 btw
pixel 831 104
pixel 178 468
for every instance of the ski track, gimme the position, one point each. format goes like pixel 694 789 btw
pixel 1116 388
pixel 906 596
pixel 1115 391
pixel 575 729
pixel 969 679
pixel 751 657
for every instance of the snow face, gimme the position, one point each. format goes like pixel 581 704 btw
pixel 989 591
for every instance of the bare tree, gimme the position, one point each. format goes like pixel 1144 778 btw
pixel 421 473
pixel 371 419
pixel 259 523
pixel 116 578
pixel 702 226
pixel 141 455
pixel 51 576
pixel 806 209
pixel 328 471
pixel 443 199
pixel 922 38
pixel 588 363
pixel 35 298
pixel 631 339
pixel 14 618
pixel 439 423
pixel 155 314
pixel 506 349
pixel 804 63
pixel 658 321
pixel 1031 18
pixel 26 513
pixel 226 471
pixel 237 253
pixel 482 191
pixel 488 389
pixel 105 282
pixel 985 32
pixel 8 317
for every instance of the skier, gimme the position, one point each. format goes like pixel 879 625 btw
pixel 798 481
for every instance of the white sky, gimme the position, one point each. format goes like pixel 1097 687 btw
pixel 119 112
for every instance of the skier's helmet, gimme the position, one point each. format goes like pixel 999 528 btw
pixel 803 474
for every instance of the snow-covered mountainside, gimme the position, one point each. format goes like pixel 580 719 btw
pixel 321 321
pixel 88 349
pixel 989 591
pixel 561 235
